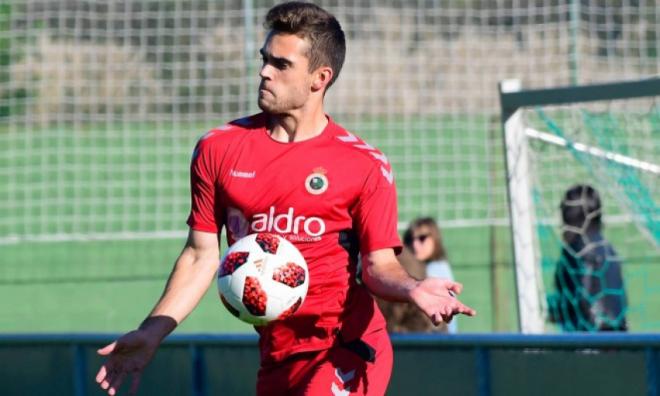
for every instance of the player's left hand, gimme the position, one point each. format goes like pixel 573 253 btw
pixel 436 297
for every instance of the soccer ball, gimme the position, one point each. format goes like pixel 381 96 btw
pixel 262 277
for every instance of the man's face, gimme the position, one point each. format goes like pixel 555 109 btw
pixel 285 77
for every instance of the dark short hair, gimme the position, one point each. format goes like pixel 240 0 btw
pixel 439 252
pixel 581 208
pixel 319 27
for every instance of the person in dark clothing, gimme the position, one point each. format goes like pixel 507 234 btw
pixel 588 278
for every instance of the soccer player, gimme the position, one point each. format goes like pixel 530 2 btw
pixel 293 171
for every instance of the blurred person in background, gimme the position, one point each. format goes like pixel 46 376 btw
pixel 424 239
pixel 424 255
pixel 405 317
pixel 588 277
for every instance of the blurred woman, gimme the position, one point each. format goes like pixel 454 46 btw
pixel 423 255
pixel 424 240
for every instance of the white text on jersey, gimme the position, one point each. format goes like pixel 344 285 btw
pixel 287 223
pixel 244 175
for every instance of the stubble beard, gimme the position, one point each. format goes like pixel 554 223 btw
pixel 275 106
pixel 267 106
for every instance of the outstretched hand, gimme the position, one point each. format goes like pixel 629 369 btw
pixel 436 297
pixel 126 356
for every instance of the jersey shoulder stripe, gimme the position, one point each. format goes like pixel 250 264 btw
pixel 232 128
pixel 219 139
pixel 358 145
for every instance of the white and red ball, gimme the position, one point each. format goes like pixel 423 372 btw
pixel 262 277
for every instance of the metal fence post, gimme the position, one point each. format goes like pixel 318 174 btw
pixel 199 370
pixel 483 371
pixel 79 370
pixel 651 360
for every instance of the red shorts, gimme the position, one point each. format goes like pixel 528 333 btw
pixel 361 367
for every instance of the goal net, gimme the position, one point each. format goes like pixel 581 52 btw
pixel 583 173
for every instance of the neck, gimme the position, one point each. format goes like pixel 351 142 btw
pixel 298 125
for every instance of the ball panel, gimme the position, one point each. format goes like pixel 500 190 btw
pixel 254 297
pixel 229 307
pixel 231 262
pixel 290 274
pixel 292 309
pixel 269 243
pixel 290 251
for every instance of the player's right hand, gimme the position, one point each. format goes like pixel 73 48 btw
pixel 126 356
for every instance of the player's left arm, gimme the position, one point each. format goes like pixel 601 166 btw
pixel 436 297
pixel 375 215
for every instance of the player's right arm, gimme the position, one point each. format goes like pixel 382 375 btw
pixel 192 274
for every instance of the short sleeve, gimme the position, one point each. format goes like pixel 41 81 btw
pixel 376 213
pixel 205 212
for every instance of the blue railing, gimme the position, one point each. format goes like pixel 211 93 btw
pixel 474 351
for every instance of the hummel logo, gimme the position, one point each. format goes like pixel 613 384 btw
pixel 243 175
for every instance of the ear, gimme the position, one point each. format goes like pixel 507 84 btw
pixel 322 77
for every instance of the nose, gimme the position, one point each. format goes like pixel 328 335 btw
pixel 266 71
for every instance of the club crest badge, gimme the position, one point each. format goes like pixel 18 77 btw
pixel 317 182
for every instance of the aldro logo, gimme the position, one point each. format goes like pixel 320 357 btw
pixel 317 182
pixel 287 223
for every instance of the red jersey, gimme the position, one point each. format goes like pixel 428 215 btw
pixel 333 196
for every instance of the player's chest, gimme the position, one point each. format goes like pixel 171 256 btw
pixel 309 181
